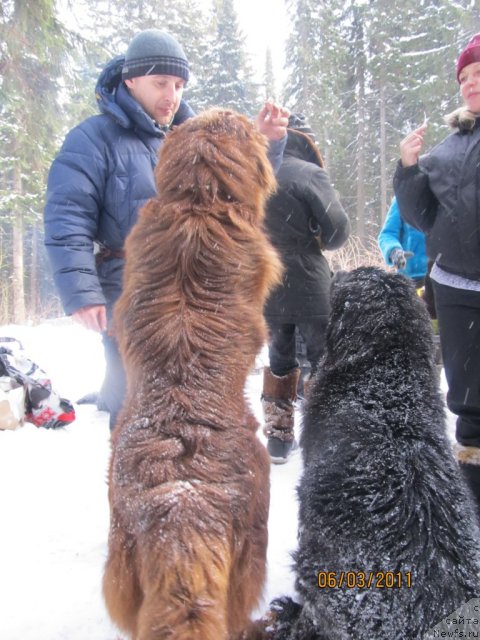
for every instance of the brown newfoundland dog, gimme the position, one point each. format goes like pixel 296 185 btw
pixel 189 479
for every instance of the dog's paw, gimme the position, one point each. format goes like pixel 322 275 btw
pixel 276 624
pixel 284 612
pixel 259 630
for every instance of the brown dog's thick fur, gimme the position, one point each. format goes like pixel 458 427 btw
pixel 189 480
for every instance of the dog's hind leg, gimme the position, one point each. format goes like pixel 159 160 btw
pixel 121 589
pixel 248 571
pixel 245 587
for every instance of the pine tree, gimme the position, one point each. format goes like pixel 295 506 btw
pixel 111 26
pixel 269 77
pixel 365 75
pixel 34 42
pixel 230 82
pixel 412 76
pixel 303 52
pixel 319 84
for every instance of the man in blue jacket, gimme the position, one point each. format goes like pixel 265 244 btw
pixel 103 175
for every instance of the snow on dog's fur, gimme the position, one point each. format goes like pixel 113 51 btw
pixel 189 479
pixel 388 543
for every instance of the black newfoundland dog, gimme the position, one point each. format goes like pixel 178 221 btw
pixel 388 542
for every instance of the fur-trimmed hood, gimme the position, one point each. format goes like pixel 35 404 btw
pixel 463 119
pixel 300 145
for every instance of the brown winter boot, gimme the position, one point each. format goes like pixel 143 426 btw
pixel 279 393
pixel 469 462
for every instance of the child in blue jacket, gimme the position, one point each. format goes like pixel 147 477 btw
pixel 403 246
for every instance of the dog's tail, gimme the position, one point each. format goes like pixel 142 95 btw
pixel 164 589
pixel 185 592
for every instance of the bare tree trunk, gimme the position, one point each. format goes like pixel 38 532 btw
pixel 33 285
pixel 18 291
pixel 361 157
pixel 4 286
pixel 383 150
pixel 360 81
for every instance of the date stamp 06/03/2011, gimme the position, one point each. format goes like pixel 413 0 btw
pixel 364 579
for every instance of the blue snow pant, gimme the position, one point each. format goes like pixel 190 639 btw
pixel 114 384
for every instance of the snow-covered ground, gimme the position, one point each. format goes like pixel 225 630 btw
pixel 54 509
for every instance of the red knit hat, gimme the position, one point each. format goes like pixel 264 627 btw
pixel 470 54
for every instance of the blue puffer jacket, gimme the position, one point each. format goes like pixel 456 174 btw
pixel 100 179
pixel 397 234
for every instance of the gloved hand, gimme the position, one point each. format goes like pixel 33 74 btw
pixel 399 258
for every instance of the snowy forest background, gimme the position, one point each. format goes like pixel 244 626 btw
pixel 363 71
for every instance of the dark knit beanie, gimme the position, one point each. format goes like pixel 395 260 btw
pixel 298 122
pixel 470 54
pixel 301 140
pixel 155 52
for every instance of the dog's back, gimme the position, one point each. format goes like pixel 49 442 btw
pixel 388 543
pixel 188 476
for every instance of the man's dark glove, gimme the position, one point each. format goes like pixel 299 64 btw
pixel 399 258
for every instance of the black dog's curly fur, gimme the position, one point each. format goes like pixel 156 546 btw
pixel 381 491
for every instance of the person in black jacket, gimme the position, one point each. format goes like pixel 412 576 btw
pixel 103 175
pixel 303 217
pixel 439 193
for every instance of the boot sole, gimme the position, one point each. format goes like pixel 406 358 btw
pixel 281 459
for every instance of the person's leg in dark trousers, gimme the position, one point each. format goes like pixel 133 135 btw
pixel 114 384
pixel 458 313
pixel 313 333
pixel 459 324
pixel 282 348
pixel 280 381
pixel 428 294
